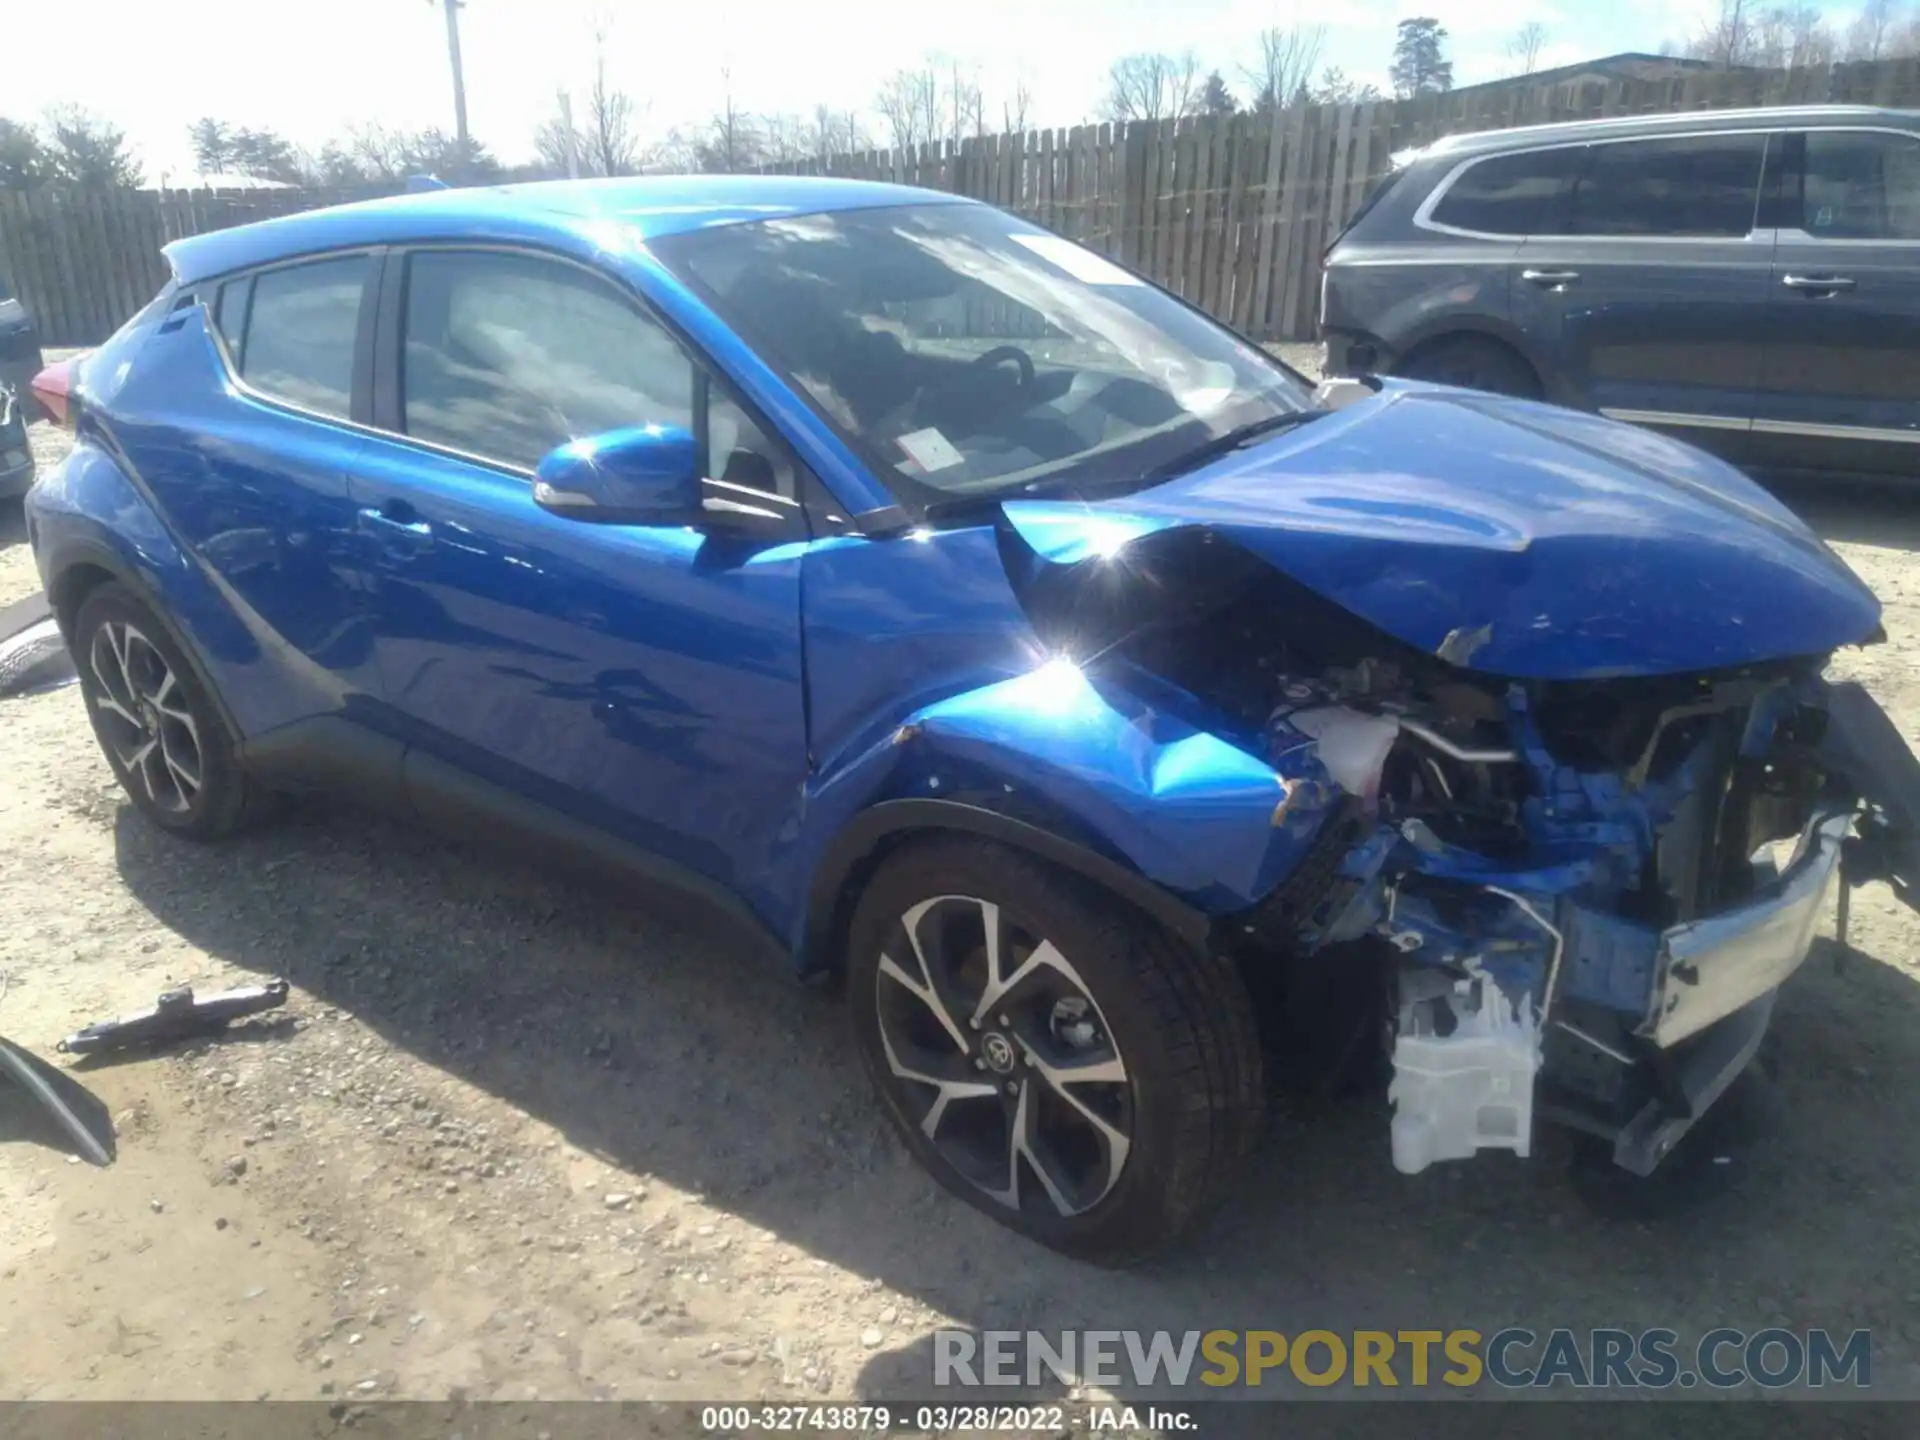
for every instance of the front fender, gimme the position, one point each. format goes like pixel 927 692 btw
pixel 1147 804
pixel 1214 823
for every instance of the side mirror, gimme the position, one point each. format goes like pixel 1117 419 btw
pixel 645 475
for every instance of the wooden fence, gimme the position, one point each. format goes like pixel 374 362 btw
pixel 1232 212
pixel 82 260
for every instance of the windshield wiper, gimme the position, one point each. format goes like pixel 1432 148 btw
pixel 1234 439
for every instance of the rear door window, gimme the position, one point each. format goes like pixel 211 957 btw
pixel 1701 185
pixel 299 340
pixel 1521 194
pixel 507 356
pixel 1861 185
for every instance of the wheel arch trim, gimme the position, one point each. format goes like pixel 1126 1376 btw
pixel 79 555
pixel 1443 328
pixel 868 834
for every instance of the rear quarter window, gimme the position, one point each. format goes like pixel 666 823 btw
pixel 230 315
pixel 1523 194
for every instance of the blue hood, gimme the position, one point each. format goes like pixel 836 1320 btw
pixel 1510 537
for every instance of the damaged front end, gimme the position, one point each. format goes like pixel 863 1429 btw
pixel 1591 889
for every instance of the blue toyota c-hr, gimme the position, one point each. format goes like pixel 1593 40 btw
pixel 982 625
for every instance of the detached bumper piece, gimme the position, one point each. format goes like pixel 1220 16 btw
pixel 80 1114
pixel 1863 746
pixel 1642 1079
pixel 1712 967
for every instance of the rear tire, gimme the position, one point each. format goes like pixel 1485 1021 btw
pixel 156 723
pixel 1474 363
pixel 1094 1088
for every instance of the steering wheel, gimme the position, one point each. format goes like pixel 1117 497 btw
pixel 1000 354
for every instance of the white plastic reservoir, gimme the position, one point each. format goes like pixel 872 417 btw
pixel 1469 1090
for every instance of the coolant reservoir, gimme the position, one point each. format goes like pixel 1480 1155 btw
pixel 1468 1090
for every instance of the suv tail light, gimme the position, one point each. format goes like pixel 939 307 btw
pixel 53 389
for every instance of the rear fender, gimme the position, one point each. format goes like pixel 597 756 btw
pixel 87 519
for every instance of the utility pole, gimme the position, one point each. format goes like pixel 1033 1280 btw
pixel 573 141
pixel 459 81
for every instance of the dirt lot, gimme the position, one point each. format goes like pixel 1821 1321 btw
pixel 512 1139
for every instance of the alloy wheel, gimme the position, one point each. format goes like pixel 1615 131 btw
pixel 144 719
pixel 1001 1057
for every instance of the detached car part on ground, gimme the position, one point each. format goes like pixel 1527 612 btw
pixel 1050 691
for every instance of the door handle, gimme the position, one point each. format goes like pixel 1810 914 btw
pixel 398 525
pixel 1817 283
pixel 1548 279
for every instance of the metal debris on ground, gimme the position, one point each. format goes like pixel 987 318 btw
pixel 176 1015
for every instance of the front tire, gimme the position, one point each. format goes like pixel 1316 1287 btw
pixel 156 723
pixel 1050 1054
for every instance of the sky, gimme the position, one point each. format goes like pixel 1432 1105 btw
pixel 311 70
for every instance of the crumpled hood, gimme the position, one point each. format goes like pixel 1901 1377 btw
pixel 1511 537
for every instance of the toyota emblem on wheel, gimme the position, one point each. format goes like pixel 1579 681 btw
pixel 997 1051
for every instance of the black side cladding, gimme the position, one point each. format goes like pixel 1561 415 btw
pixel 1864 748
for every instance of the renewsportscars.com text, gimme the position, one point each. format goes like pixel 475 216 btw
pixel 1512 1358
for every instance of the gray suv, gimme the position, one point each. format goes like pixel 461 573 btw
pixel 1748 280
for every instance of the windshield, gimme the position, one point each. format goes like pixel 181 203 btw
pixel 965 353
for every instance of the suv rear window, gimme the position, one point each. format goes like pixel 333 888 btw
pixel 1511 194
pixel 1689 185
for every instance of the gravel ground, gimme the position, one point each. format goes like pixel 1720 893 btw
pixel 512 1139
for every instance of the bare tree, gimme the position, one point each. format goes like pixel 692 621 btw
pixel 941 100
pixel 732 140
pixel 835 132
pixel 1334 88
pixel 1875 31
pixel 782 138
pixel 909 103
pixel 1525 47
pixel 612 126
pixel 606 137
pixel 1727 38
pixel 1283 68
pixel 1779 37
pixel 1153 87
pixel 559 143
pixel 378 153
pixel 1014 108
pixel 1798 38
pixel 966 105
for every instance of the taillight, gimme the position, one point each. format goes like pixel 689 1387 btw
pixel 53 389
